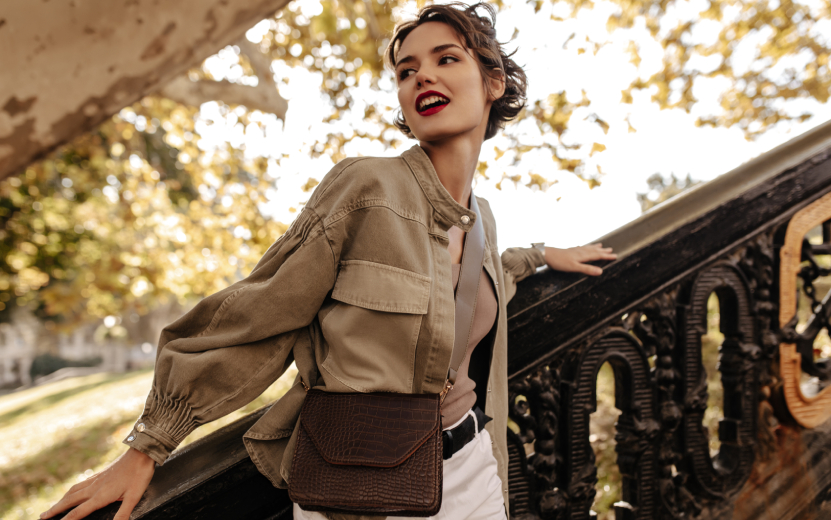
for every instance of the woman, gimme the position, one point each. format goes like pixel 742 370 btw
pixel 359 290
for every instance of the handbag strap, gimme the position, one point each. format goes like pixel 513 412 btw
pixel 467 291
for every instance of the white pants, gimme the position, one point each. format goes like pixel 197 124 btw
pixel 472 488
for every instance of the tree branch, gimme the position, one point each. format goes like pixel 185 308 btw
pixel 263 97
pixel 374 28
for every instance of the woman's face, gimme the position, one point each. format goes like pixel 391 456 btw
pixel 440 86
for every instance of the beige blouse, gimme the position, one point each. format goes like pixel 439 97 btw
pixel 462 396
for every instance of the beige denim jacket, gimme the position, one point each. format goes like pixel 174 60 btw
pixel 358 293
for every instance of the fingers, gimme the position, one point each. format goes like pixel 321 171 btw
pixel 125 480
pixel 71 499
pixel 591 270
pixel 82 485
pixel 127 505
pixel 578 259
pixel 593 252
pixel 593 258
pixel 599 247
pixel 86 508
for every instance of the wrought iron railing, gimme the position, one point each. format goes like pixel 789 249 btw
pixel 742 237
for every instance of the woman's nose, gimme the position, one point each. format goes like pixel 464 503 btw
pixel 425 76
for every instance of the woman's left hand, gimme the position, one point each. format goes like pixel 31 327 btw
pixel 574 259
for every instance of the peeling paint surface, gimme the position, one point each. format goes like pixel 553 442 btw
pixel 157 46
pixel 14 106
pixel 70 65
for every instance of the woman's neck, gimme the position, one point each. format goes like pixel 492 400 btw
pixel 455 162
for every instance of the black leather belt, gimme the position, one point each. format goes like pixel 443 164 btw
pixel 456 438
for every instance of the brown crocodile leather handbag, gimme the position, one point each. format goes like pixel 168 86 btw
pixel 380 453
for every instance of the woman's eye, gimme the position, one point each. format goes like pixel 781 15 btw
pixel 406 72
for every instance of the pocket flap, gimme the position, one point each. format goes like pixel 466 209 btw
pixel 381 429
pixel 382 287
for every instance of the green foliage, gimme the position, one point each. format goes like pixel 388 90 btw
pixel 602 438
pixel 123 218
pixel 787 43
pixel 343 41
pixel 710 355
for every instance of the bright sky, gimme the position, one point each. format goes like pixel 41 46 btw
pixel 568 213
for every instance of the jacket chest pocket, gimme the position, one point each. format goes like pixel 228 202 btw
pixel 372 327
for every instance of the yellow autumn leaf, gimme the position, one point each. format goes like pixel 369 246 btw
pixel 597 148
pixel 309 185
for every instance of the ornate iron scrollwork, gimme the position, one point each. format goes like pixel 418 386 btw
pixel 655 324
pixel 535 408
pixel 756 262
pixel 724 474
pixel 662 447
pixel 637 426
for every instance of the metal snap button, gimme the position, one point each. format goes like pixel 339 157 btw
pixel 465 219
pixel 131 438
pixel 140 427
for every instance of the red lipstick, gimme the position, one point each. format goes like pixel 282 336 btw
pixel 432 110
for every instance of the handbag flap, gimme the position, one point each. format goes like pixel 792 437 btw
pixel 378 429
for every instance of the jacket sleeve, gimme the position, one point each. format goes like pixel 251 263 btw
pixel 230 347
pixel 518 263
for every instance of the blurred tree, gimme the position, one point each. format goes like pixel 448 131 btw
pixel 345 40
pixel 788 48
pixel 662 189
pixel 125 217
pixel 136 211
pixel 769 54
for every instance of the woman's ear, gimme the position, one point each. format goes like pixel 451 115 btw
pixel 496 85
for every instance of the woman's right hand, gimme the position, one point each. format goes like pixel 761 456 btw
pixel 125 480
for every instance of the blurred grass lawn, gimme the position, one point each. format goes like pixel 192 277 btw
pixel 55 435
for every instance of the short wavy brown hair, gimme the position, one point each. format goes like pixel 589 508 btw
pixel 479 35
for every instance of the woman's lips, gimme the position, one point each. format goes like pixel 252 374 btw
pixel 433 110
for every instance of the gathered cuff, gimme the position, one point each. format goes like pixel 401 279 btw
pixel 161 428
pixel 148 445
pixel 522 262
pixel 536 257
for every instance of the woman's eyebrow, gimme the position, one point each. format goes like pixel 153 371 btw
pixel 437 49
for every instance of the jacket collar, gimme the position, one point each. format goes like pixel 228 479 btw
pixel 449 211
